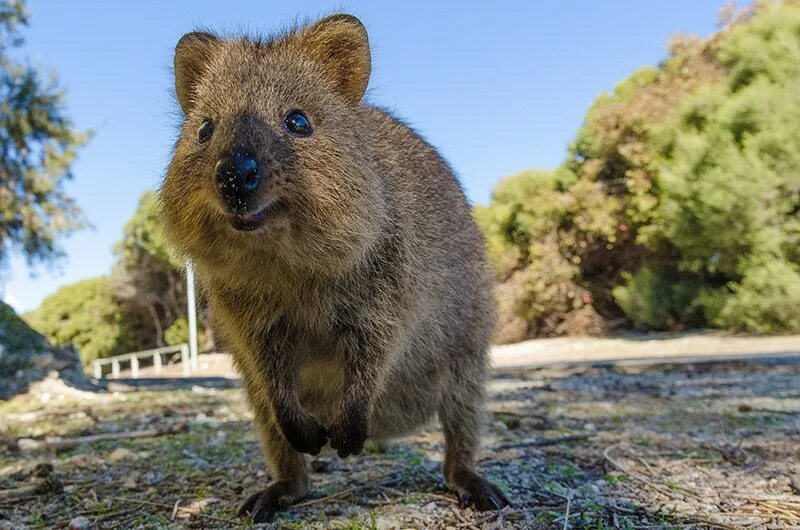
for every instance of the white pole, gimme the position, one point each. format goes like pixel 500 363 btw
pixel 185 364
pixel 192 309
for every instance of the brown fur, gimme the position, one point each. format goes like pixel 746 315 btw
pixel 363 305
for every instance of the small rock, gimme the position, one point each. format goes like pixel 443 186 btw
pixel 794 483
pixel 27 444
pixel 131 482
pixel 320 465
pixel 80 523
pixel 735 455
pixel 498 427
pixel 203 420
pixel 199 505
pixel 119 454
pixel 153 477
pixel 535 424
pixel 431 506
pixel 199 463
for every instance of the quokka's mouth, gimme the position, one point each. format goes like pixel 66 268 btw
pixel 248 223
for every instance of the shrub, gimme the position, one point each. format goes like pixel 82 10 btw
pixel 678 204
pixel 86 315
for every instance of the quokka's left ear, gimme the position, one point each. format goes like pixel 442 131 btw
pixel 339 43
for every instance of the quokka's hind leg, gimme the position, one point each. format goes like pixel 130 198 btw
pixel 461 411
pixel 289 472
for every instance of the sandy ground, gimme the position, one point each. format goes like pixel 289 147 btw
pixel 582 446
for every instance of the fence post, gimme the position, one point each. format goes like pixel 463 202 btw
pixel 98 369
pixel 114 369
pixel 185 359
pixel 157 362
pixel 134 367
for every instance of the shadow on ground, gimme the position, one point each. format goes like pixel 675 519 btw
pixel 700 446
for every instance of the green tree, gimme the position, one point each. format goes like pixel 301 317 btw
pixel 149 281
pixel 38 144
pixel 536 232
pixel 729 177
pixel 148 275
pixel 678 203
pixel 87 315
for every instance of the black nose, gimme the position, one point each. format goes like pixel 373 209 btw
pixel 238 177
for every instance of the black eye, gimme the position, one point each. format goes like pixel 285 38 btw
pixel 297 123
pixel 205 131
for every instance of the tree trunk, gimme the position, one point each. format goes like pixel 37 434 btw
pixel 157 323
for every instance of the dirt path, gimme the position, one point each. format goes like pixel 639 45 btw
pixel 571 350
pixel 643 349
pixel 710 445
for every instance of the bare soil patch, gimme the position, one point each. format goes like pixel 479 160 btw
pixel 707 445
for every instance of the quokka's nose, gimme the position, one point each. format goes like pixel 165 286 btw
pixel 238 176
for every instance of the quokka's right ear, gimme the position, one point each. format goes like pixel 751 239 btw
pixel 192 54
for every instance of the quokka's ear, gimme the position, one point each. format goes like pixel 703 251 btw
pixel 192 54
pixel 339 43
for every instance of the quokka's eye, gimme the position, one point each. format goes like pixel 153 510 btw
pixel 205 131
pixel 297 123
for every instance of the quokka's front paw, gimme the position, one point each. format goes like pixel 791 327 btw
pixel 305 434
pixel 349 432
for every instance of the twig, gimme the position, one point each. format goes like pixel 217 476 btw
pixel 499 519
pixel 636 476
pixel 165 506
pixel 566 511
pixel 352 489
pixel 63 444
pixel 543 442
pixel 175 510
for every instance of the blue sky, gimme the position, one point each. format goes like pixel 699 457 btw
pixel 498 87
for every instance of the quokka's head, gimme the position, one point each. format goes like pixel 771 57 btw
pixel 274 158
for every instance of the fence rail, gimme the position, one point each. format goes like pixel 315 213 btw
pixel 133 359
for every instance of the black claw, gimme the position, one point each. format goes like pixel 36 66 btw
pixel 264 515
pixel 495 503
pixel 482 495
pixel 247 506
pixel 464 499
pixel 263 506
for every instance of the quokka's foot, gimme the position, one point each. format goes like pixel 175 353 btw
pixel 264 504
pixel 475 491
